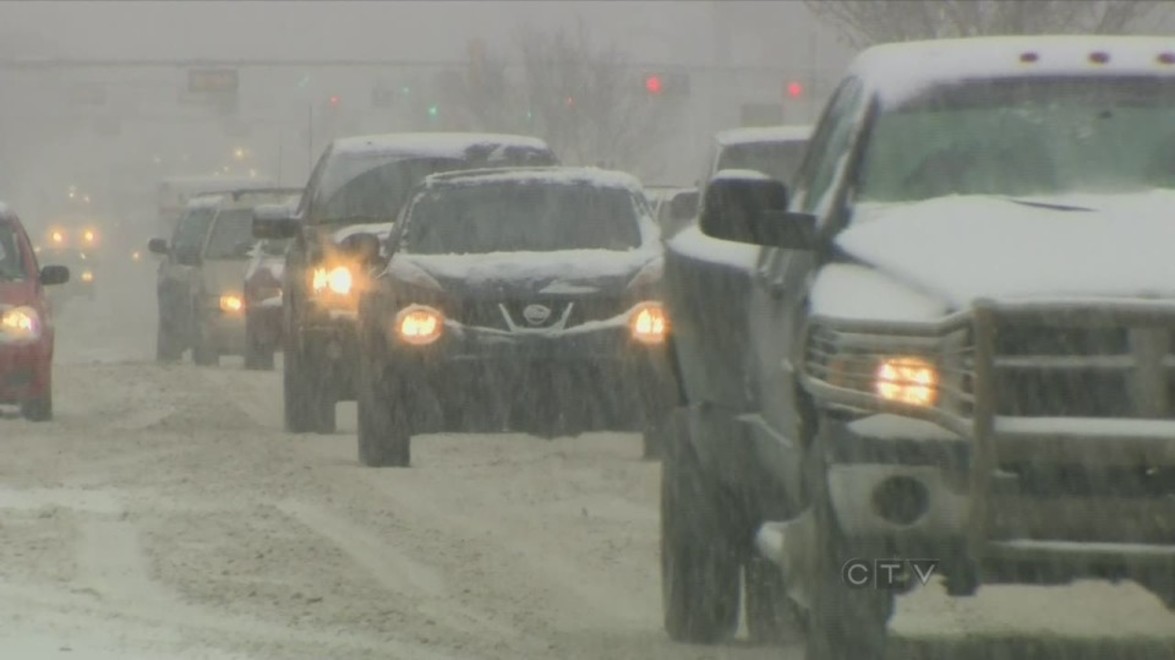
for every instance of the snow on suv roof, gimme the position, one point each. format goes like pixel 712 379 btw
pixel 563 174
pixel 435 144
pixel 898 71
pixel 763 134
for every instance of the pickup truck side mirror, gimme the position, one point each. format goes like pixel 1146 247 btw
pixel 157 246
pixel 275 221
pixel 753 209
pixel 51 275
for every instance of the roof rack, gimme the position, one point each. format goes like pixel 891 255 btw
pixel 457 174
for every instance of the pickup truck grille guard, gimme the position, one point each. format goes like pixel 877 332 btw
pixel 981 367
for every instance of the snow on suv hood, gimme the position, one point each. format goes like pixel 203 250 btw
pixel 965 247
pixel 565 272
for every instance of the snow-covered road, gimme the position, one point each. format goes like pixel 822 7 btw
pixel 164 514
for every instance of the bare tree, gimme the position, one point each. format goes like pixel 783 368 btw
pixel 866 22
pixel 584 100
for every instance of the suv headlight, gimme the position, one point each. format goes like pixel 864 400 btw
pixel 648 323
pixel 338 280
pixel 20 324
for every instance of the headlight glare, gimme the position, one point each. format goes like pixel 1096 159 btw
pixel 231 303
pixel 87 276
pixel 648 323
pixel 338 280
pixel 419 325
pixel 20 324
pixel 909 380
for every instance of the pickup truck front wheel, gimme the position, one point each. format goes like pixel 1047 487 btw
pixel 308 405
pixel 844 622
pixel 700 563
pixel 385 436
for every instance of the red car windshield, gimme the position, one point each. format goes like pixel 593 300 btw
pixel 12 267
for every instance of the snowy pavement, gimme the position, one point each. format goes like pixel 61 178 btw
pixel 164 514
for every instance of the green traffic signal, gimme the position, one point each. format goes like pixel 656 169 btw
pixel 433 111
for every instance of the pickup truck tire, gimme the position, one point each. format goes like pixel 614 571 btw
pixel 203 353
pixel 385 436
pixel 700 563
pixel 844 623
pixel 772 617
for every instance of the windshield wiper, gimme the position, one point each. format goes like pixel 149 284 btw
pixel 1047 205
pixel 355 220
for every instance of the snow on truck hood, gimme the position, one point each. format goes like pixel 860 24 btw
pixel 565 272
pixel 960 248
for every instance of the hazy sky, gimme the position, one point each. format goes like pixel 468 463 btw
pixel 651 31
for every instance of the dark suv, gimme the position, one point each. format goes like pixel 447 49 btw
pixel 956 351
pixel 521 299
pixel 356 188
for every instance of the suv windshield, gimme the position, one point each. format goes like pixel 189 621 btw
pixel 232 235
pixel 1035 136
pixel 371 188
pixel 11 260
pixel 778 160
pixel 522 217
pixel 193 229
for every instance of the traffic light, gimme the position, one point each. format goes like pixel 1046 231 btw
pixel 795 89
pixel 334 101
pixel 661 84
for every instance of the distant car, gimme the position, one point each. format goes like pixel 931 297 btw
pixel 776 151
pixel 26 322
pixel 673 207
pixel 173 194
pixel 357 181
pixel 201 301
pixel 521 299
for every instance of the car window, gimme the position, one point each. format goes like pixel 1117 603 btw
pixel 193 229
pixel 372 189
pixel 522 217
pixel 275 247
pixel 830 146
pixel 778 160
pixel 12 266
pixel 1020 137
pixel 232 235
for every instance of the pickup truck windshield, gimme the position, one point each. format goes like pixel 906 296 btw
pixel 1032 136
pixel 522 217
pixel 11 261
pixel 371 188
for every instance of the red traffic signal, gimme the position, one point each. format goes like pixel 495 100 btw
pixel 795 89
pixel 334 101
pixel 667 84
pixel 653 84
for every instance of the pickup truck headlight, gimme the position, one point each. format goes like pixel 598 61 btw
pixel 20 324
pixel 909 380
pixel 338 280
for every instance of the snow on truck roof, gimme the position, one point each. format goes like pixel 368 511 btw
pixel 898 71
pixel 563 174
pixel 433 144
pixel 763 134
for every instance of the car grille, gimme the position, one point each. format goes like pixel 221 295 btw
pixel 1054 369
pixel 489 313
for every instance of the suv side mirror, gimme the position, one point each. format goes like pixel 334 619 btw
pixel 157 246
pixel 753 209
pixel 274 221
pixel 363 246
pixel 52 275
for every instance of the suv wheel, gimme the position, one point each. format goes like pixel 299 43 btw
pixel 167 344
pixel 844 623
pixel 308 408
pixel 258 355
pixel 385 436
pixel 39 409
pixel 699 560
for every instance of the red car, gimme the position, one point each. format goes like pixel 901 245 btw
pixel 26 322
